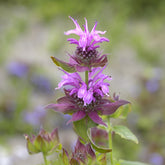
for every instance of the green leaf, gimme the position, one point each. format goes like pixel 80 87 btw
pixel 64 65
pixel 96 147
pixel 125 133
pixel 65 158
pixel 126 109
pixel 101 159
pixel 122 112
pixel 125 162
pixel 81 127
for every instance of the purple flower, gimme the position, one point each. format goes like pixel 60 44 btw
pixel 86 56
pixel 73 105
pixel 156 159
pixel 41 83
pixel 96 86
pixel 18 69
pixel 35 117
pixel 87 39
pixel 152 85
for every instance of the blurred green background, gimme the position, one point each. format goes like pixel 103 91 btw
pixel 33 30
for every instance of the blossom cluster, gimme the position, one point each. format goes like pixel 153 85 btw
pixel 89 97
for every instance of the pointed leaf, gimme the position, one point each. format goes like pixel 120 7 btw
pixel 65 158
pixel 81 127
pixel 125 162
pixel 96 147
pixel 125 133
pixel 101 158
pixel 64 65
pixel 122 112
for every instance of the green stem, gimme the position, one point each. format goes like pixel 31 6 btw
pixel 110 141
pixel 45 160
pixel 86 77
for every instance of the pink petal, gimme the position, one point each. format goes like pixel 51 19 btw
pixel 88 97
pixel 82 91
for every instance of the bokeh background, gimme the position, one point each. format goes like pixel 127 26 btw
pixel 33 30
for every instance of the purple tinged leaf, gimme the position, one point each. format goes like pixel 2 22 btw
pixel 77 116
pixel 90 151
pixel 110 108
pixel 64 108
pixel 80 147
pixel 94 116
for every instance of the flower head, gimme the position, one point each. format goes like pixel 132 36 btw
pixel 96 86
pixel 86 56
pixel 87 39
pixel 18 69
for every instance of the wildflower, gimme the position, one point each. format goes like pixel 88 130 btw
pixel 18 69
pixel 35 117
pixel 41 83
pixel 86 56
pixel 73 105
pixel 44 142
pixel 87 39
pixel 96 86
pixel 156 159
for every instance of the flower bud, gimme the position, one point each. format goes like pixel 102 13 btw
pixel 44 142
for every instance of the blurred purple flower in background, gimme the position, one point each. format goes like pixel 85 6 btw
pixel 156 159
pixel 18 69
pixel 42 83
pixel 35 117
pixel 152 85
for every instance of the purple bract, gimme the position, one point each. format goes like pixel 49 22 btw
pixel 75 106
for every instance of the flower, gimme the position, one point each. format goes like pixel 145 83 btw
pixel 41 83
pixel 18 69
pixel 86 56
pixel 44 142
pixel 35 117
pixel 156 159
pixel 71 104
pixel 87 39
pixel 96 86
pixel 81 153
